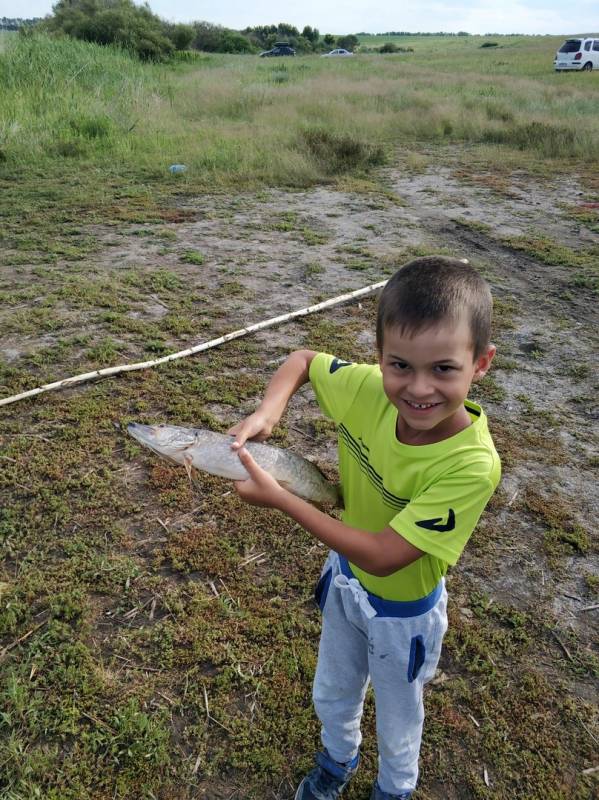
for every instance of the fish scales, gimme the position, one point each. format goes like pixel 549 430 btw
pixel 211 452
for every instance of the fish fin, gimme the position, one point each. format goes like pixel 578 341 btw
pixel 188 463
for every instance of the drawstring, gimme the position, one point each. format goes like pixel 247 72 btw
pixel 358 592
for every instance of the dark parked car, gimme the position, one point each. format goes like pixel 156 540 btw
pixel 280 49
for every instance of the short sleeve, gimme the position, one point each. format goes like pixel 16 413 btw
pixel 336 383
pixel 441 519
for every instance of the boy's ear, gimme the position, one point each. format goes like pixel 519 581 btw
pixel 483 362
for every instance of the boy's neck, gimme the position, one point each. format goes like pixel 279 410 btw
pixel 445 430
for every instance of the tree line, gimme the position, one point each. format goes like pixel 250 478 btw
pixel 139 30
pixel 16 23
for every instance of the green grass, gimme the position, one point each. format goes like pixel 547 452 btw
pixel 65 101
pixel 141 654
pixel 581 263
pixel 102 128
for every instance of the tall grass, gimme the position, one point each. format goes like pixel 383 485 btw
pixel 239 120
pixel 58 95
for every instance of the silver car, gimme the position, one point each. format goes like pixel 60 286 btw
pixel 339 52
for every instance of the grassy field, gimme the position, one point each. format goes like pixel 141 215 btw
pixel 157 638
pixel 102 129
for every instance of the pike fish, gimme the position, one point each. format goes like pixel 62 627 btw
pixel 211 452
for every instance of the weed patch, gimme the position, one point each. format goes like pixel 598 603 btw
pixel 553 141
pixel 336 153
pixel 193 257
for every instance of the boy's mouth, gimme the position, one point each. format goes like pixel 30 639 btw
pixel 421 406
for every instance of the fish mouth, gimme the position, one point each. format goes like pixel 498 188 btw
pixel 144 433
pixel 148 435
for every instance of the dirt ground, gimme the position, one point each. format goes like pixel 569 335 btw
pixel 550 331
pixel 546 332
pixel 274 251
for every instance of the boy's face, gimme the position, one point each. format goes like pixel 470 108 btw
pixel 427 377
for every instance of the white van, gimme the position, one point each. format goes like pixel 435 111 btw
pixel 578 53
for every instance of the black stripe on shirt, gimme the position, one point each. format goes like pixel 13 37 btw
pixel 357 452
pixel 471 408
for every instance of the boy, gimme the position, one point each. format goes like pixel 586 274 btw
pixel 417 467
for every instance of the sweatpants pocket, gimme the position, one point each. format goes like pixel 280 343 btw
pixel 322 588
pixel 417 657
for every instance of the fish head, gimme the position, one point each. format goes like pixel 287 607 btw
pixel 168 441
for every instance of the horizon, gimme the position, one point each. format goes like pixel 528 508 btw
pixel 475 17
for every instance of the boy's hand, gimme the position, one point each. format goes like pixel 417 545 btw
pixel 257 427
pixel 260 489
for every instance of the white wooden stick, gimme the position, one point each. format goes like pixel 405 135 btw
pixel 258 326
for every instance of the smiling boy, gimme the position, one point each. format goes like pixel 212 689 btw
pixel 417 466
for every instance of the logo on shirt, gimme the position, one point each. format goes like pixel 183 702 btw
pixel 336 364
pixel 437 523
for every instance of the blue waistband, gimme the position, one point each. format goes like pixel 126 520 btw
pixel 396 608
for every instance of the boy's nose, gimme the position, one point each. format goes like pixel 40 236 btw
pixel 420 387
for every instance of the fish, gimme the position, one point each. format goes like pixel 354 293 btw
pixel 211 452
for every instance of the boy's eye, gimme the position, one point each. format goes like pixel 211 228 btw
pixel 444 368
pixel 399 365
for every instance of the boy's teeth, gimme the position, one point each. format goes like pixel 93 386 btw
pixel 423 405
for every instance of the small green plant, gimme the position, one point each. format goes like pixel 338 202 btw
pixel 157 346
pixel 287 222
pixel 165 233
pixel 193 257
pixel 503 362
pixel 164 279
pixel 312 237
pixel 489 389
pixel 312 269
pixel 527 403
pixel 104 352
pixel 560 542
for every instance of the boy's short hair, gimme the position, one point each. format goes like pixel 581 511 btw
pixel 427 291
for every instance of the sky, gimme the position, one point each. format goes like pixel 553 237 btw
pixel 373 16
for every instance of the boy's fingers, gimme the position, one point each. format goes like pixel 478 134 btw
pixel 247 461
pixel 241 436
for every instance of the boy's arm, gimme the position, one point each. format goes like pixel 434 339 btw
pixel 292 374
pixel 379 553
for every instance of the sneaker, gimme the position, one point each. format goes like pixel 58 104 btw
pixel 327 780
pixel 379 794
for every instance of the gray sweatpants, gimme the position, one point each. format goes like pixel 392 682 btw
pixel 398 654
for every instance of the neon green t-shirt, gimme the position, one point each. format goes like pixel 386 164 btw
pixel 433 495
